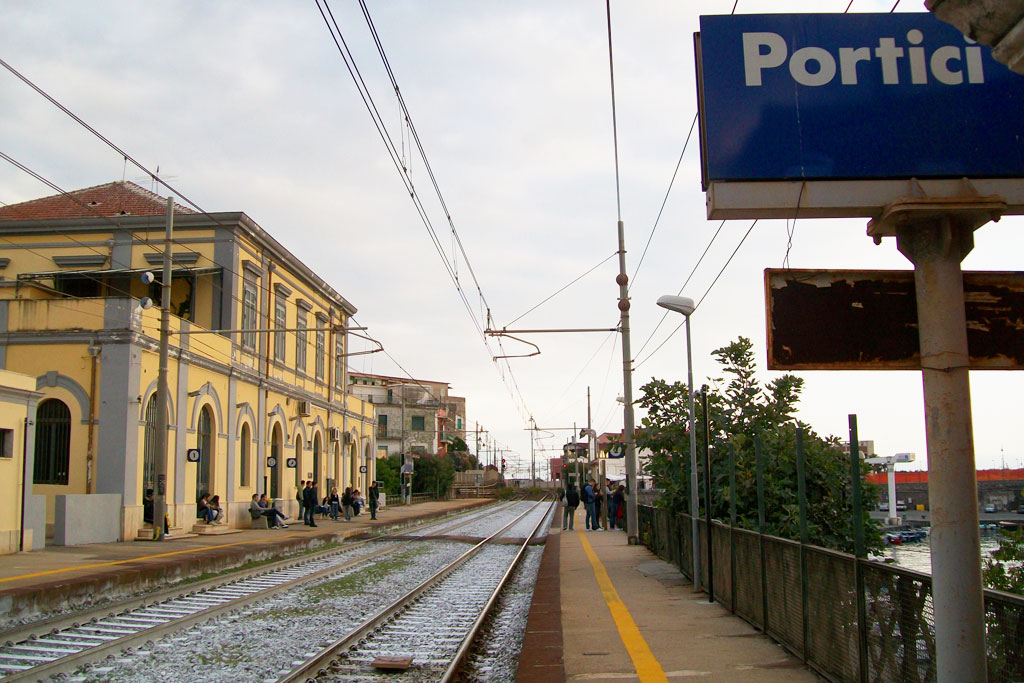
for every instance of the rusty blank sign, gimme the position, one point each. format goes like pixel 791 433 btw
pixel 867 320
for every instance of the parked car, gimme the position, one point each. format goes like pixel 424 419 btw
pixel 990 507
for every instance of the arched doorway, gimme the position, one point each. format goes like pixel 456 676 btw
pixel 53 442
pixel 275 452
pixel 149 446
pixel 316 463
pixel 298 459
pixel 204 442
pixel 338 469
pixel 354 459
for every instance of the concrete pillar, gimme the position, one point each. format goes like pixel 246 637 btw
pixel 936 246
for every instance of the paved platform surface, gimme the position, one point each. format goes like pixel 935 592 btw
pixel 36 581
pixel 626 615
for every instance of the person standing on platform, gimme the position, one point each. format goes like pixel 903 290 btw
pixel 308 504
pixel 335 502
pixel 590 522
pixel 598 499
pixel 374 494
pixel 346 503
pixel 300 495
pixel 572 501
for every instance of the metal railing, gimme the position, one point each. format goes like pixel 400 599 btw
pixel 849 619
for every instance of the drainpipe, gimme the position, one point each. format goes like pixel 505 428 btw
pixel 90 453
pixel 24 488
pixel 261 471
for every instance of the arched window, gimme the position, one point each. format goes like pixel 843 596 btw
pixel 205 445
pixel 53 442
pixel 243 456
pixel 275 453
pixel 149 446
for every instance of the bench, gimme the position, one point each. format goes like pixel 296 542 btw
pixel 258 520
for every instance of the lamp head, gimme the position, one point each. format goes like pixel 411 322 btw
pixel 679 304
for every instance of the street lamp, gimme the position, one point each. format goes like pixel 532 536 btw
pixel 684 305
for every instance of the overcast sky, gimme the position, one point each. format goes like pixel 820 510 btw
pixel 247 106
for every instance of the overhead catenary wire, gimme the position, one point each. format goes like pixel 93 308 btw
pixel 704 296
pixel 664 201
pixel 113 220
pixel 563 288
pixel 367 98
pixel 686 282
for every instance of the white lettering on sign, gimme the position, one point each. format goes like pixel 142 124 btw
pixel 815 66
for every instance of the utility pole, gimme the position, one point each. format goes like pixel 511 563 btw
pixel 628 429
pixel 533 455
pixel 160 497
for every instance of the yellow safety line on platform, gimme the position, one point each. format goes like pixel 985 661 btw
pixel 647 666
pixel 133 559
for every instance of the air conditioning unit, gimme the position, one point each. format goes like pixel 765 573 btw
pixel 303 408
pixel 334 434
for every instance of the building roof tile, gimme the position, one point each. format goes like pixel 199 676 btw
pixel 112 199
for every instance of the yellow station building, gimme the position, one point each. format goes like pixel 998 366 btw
pixel 258 398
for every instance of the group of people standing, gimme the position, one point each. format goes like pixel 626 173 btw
pixel 593 496
pixel 350 502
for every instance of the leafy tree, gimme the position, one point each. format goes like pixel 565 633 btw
pixel 434 474
pixel 1005 571
pixel 740 411
pixel 388 474
pixel 462 459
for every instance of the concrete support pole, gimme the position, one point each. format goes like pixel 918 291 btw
pixel 692 428
pixel 936 246
pixel 160 496
pixel 628 427
pixel 891 472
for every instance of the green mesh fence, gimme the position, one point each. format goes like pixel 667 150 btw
pixel 721 550
pixel 899 624
pixel 747 576
pixel 784 591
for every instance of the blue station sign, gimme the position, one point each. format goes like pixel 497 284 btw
pixel 853 96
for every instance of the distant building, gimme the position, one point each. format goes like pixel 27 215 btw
pixel 414 416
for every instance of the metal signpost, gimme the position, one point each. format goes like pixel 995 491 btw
pixel 899 119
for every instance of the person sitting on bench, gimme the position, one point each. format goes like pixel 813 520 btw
pixel 263 507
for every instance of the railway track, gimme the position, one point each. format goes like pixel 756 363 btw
pixel 67 643
pixel 431 629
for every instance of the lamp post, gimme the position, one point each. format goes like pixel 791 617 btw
pixel 685 306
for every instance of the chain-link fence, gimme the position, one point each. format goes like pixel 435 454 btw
pixel 849 619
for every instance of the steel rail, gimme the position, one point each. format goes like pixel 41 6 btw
pixel 463 652
pixel 322 659
pixel 122 610
pixel 56 623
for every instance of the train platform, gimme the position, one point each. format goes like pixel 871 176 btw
pixel 56 578
pixel 607 611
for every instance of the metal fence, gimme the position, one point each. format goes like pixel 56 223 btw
pixel 849 619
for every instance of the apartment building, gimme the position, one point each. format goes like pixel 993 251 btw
pixel 417 417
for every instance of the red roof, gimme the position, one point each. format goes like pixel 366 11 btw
pixel 113 199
